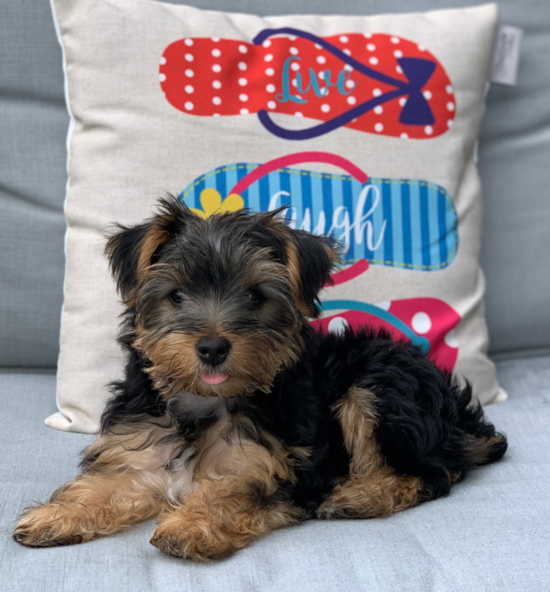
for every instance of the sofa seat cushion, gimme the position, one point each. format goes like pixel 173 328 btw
pixel 491 533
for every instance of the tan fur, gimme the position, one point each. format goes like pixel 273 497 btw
pixel 123 485
pixel 218 518
pixel 222 513
pixel 208 500
pixel 293 266
pixel 373 488
pixel 176 366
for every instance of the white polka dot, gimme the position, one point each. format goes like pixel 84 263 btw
pixel 371 46
pixel 189 57
pixel 295 66
pixel 348 68
pixel 189 73
pixel 450 106
pixel 215 114
pixel 350 84
pixel 216 53
pixel 266 43
pixel 216 68
pixel 373 61
pixel 216 100
pixel 321 59
pixel 429 130
pixel 337 325
pixel 378 109
pixel 398 53
pixel 217 84
pixel 404 136
pixel 344 39
pixel 243 49
pixel 402 101
pixel 367 35
pixel 421 48
pixel 351 100
pixel 162 77
pixel 421 323
pixel 294 82
pixel 189 89
pixel 189 105
pixel 427 95
pixel 451 340
pixel 244 111
pixel 243 81
pixel 399 70
pixel 378 127
pixel 395 40
pixel 325 108
pixel 271 104
pixel 215 40
pixel 188 42
pixel 243 98
pixel 449 89
pixel 321 75
pixel 270 88
pixel 384 305
pixel 346 51
pixel 317 46
pixel 376 92
pixel 268 57
pixel 163 60
pixel 299 114
pixel 292 37
pixel 450 123
pixel 270 71
pixel 293 50
pixel 242 66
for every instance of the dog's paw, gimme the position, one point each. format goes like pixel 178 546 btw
pixel 197 540
pixel 47 526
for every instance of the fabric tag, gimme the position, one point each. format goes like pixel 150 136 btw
pixel 504 69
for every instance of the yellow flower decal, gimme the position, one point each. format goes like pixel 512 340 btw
pixel 211 202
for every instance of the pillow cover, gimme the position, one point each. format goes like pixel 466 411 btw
pixel 364 126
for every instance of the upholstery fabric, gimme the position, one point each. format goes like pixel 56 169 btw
pixel 491 533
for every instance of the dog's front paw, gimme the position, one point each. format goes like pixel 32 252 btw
pixel 48 525
pixel 198 540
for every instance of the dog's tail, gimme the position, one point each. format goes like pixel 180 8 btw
pixel 485 445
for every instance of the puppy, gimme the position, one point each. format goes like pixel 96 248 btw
pixel 235 417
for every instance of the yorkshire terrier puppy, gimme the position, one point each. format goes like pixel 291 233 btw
pixel 235 417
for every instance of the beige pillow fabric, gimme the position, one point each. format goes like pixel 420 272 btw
pixel 364 126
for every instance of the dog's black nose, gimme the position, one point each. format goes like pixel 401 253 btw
pixel 213 350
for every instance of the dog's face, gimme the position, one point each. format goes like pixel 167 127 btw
pixel 218 305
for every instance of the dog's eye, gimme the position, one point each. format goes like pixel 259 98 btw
pixel 175 297
pixel 255 298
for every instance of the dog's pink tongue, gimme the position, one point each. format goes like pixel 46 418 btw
pixel 214 378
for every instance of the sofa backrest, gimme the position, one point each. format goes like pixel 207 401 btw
pixel 514 160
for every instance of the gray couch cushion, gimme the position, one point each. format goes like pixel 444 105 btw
pixel 515 150
pixel 490 534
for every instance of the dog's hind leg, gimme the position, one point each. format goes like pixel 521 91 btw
pixel 123 482
pixel 372 488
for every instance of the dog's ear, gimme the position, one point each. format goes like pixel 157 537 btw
pixel 310 259
pixel 132 250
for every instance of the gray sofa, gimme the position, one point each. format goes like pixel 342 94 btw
pixel 490 534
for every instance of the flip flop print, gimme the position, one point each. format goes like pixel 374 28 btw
pixel 374 83
pixel 428 323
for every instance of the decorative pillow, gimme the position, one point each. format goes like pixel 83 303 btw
pixel 364 126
